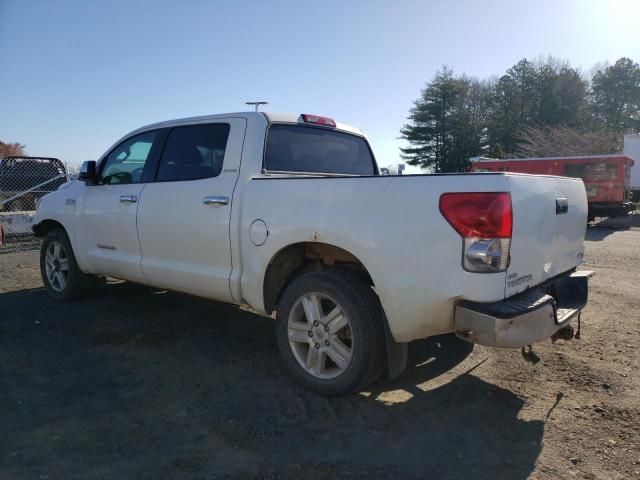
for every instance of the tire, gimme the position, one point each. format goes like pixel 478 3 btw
pixel 62 278
pixel 341 353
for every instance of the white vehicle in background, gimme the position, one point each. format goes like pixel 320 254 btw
pixel 288 213
pixel 632 149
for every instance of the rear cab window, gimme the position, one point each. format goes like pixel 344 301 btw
pixel 305 149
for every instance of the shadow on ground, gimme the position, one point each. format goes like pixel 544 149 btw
pixel 601 229
pixel 597 233
pixel 136 383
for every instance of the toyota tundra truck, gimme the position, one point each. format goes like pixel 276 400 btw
pixel 288 214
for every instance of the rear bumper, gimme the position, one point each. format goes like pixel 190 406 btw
pixel 528 317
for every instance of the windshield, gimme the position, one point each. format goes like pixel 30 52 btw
pixel 297 148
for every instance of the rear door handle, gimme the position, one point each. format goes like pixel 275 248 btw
pixel 214 200
pixel 128 198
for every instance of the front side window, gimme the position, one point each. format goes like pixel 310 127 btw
pixel 296 148
pixel 126 162
pixel 193 152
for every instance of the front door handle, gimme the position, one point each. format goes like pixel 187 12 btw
pixel 214 200
pixel 128 198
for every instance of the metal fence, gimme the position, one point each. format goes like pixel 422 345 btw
pixel 23 181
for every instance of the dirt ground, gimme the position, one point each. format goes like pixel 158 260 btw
pixel 141 384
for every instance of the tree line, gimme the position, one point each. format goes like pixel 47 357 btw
pixel 11 149
pixel 537 108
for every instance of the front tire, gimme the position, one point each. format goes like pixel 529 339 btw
pixel 329 332
pixel 62 278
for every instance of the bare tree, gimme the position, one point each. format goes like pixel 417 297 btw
pixel 11 149
pixel 562 141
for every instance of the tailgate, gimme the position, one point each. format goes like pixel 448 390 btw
pixel 549 224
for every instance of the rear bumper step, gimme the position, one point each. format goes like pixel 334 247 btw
pixel 531 316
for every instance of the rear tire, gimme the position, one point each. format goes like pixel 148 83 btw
pixel 62 278
pixel 330 333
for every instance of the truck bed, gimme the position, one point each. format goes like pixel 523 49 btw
pixel 393 226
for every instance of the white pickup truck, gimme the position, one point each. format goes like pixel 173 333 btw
pixel 288 214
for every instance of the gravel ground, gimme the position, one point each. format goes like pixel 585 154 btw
pixel 137 383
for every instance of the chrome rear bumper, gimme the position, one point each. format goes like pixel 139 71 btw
pixel 526 318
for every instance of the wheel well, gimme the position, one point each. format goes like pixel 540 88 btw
pixel 45 226
pixel 304 257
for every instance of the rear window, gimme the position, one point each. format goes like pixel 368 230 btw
pixel 296 148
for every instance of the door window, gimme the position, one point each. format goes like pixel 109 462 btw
pixel 126 162
pixel 193 152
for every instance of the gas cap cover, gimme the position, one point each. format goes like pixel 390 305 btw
pixel 258 232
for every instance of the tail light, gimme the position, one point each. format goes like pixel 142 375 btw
pixel 484 221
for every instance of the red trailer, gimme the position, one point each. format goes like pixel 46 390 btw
pixel 606 177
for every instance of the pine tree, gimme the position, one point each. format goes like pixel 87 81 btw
pixel 615 96
pixel 534 107
pixel 446 125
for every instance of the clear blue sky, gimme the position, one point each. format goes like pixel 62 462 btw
pixel 76 75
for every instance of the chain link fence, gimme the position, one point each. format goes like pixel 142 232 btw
pixel 23 181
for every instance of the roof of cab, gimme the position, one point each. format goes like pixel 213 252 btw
pixel 272 117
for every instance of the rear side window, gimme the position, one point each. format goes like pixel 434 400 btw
pixel 193 152
pixel 295 148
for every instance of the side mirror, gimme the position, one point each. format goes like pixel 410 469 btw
pixel 88 172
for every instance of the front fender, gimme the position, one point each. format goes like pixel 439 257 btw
pixel 59 207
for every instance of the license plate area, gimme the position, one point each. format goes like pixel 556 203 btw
pixel 569 292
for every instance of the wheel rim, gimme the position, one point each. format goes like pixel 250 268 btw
pixel 56 265
pixel 320 335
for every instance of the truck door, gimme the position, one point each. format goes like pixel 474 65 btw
pixel 184 215
pixel 105 222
